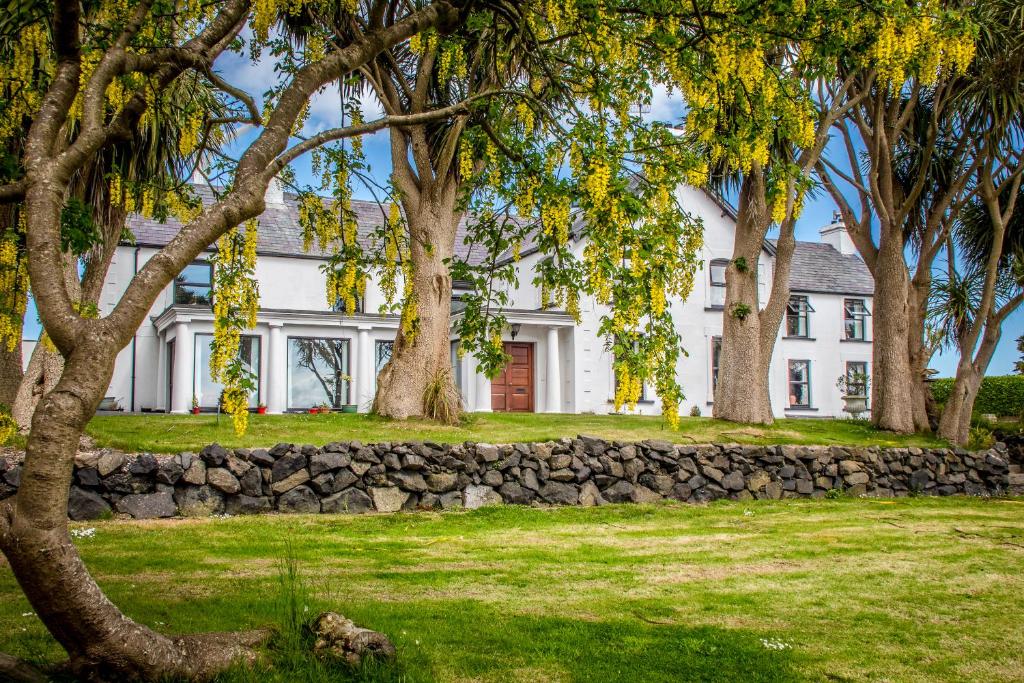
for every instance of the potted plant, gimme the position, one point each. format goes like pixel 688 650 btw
pixel 325 408
pixel 195 405
pixel 314 410
pixel 854 389
pixel 350 408
pixel 261 409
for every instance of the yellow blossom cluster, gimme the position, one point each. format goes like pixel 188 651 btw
pixel 235 307
pixel 14 285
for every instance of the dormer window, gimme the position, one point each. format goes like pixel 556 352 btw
pixel 855 315
pixel 798 317
pixel 194 284
pixel 716 270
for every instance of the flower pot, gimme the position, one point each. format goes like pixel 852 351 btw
pixel 195 411
pixel 855 405
pixel 314 411
pixel 261 410
pixel 350 408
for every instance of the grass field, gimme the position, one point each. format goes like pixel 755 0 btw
pixel 915 589
pixel 171 433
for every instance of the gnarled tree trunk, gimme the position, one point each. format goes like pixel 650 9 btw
pixel 418 380
pixel 748 340
pixel 925 418
pixel 955 423
pixel 100 641
pixel 10 373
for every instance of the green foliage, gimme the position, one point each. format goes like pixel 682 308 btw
pixel 980 438
pixel 999 395
pixel 1019 365
pixel 78 230
pixel 441 400
pixel 695 411
pixel 740 311
pixel 741 264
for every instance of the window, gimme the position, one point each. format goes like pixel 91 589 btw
pixel 716 357
pixel 799 384
pixel 317 372
pixel 615 376
pixel 206 391
pixel 194 284
pixel 339 306
pixel 856 378
pixel 798 317
pixel 855 315
pixel 456 366
pixel 383 355
pixel 717 272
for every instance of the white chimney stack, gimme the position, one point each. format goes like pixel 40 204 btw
pixel 275 194
pixel 836 235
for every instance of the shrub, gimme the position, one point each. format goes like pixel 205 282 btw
pixel 695 411
pixel 999 395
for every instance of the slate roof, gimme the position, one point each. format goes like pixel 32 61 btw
pixel 280 234
pixel 820 268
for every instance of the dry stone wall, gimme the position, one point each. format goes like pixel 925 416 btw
pixel 350 477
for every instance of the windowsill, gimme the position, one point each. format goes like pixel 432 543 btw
pixel 714 308
pixel 855 341
pixel 801 409
pixel 641 402
pixel 797 338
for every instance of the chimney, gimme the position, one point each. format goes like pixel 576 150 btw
pixel 835 234
pixel 275 194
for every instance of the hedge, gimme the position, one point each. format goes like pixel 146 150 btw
pixel 999 395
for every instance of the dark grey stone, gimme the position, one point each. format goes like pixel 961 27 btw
pixel 198 501
pixel 248 505
pixel 287 465
pixel 351 501
pixel 252 483
pixel 261 458
pixel 559 494
pixel 169 471
pixel 86 505
pixel 328 461
pixel 410 481
pixel 300 499
pixel 148 506
pixel 90 476
pixel 214 455
pixel 143 464
pixel 622 492
pixel 222 480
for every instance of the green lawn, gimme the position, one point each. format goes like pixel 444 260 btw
pixel 171 433
pixel 918 589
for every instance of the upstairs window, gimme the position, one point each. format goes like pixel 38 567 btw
pixel 194 284
pixel 716 269
pixel 855 315
pixel 799 384
pixel 798 317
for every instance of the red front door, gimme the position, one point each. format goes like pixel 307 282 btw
pixel 512 390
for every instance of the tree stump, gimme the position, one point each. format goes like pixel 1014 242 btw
pixel 339 637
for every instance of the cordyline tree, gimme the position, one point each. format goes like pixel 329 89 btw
pixel 979 293
pixel 104 66
pixel 914 148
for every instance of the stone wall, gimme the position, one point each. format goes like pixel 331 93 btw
pixel 387 477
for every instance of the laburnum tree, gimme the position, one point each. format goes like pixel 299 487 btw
pixel 762 121
pixel 541 144
pixel 84 78
pixel 915 147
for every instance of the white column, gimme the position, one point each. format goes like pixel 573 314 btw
pixel 483 390
pixel 553 403
pixel 277 370
pixel 363 371
pixel 184 363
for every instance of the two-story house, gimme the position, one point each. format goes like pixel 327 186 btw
pixel 306 353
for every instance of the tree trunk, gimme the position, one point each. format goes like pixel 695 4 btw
pixel 955 423
pixel 10 373
pixel 917 307
pixel 100 641
pixel 418 381
pixel 44 369
pixel 892 390
pixel 742 394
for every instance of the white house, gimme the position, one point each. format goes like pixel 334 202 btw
pixel 303 351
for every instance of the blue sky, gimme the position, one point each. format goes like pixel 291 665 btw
pixel 324 109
